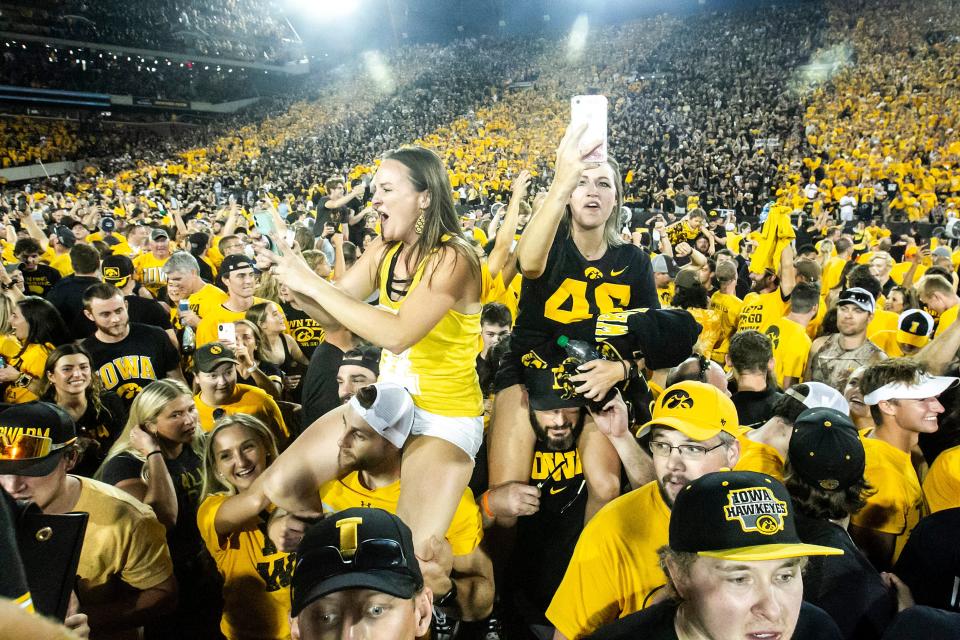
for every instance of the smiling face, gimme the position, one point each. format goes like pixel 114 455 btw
pixel 734 600
pixel 241 283
pixel 217 386
pixel 71 374
pixel 19 324
pixel 240 456
pixel 918 416
pixel 593 200
pixel 854 396
pixel 273 320
pixel 177 422
pixel 397 201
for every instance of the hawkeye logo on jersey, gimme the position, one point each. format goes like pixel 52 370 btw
pixel 532 360
pixel 773 332
pixel 592 273
pixel 756 509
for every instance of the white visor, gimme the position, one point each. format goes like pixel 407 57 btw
pixel 927 387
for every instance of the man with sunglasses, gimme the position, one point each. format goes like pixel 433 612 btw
pixel 357 577
pixel 125 575
pixel 615 568
pixel 835 356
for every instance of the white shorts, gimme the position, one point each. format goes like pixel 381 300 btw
pixel 466 433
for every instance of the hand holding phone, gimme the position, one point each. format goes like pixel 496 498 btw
pixel 592 111
pixel 227 333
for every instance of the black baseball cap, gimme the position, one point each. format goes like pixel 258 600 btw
pixel 32 436
pixel 549 389
pixel 738 515
pixel 355 549
pixel 108 224
pixel 158 233
pixel 212 355
pixel 825 450
pixel 117 270
pixel 236 262
pixel 66 237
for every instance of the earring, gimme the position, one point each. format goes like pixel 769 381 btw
pixel 418 225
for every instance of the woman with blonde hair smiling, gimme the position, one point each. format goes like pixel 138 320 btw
pixel 232 522
pixel 158 459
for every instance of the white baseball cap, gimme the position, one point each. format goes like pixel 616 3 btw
pixel 927 386
pixel 390 415
pixel 820 395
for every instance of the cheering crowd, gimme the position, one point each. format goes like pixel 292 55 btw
pixel 483 387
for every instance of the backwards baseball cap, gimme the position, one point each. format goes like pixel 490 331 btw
pixel 941 252
pixel 389 413
pixel 663 337
pixel 819 395
pixel 914 327
pixel 355 549
pixel 367 357
pixel 66 237
pixel 825 450
pixel 236 262
pixel 860 297
pixel 665 264
pixel 212 355
pixel 687 278
pixel 547 390
pixel 158 233
pixel 926 386
pixel 117 270
pixel 738 515
pixel 32 436
pixel 108 224
pixel 697 410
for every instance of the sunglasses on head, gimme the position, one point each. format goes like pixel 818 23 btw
pixel 28 447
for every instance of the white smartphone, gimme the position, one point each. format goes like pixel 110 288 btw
pixel 227 332
pixel 593 111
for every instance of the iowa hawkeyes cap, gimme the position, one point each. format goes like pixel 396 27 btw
pixel 914 327
pixel 32 437
pixel 738 515
pixel 698 410
pixel 825 450
pixel 117 270
pixel 355 549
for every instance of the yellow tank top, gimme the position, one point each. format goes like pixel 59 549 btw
pixel 440 370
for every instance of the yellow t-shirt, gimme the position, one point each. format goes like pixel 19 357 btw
pixel 62 264
pixel 440 370
pixel 947 318
pixel 728 306
pixel 759 457
pixel 941 487
pixel 465 531
pixel 832 273
pixel 30 363
pixel 214 316
pixel 760 310
pixel 882 330
pixel 201 302
pixel 666 295
pixel 791 347
pixel 615 564
pixel 256 577
pixel 148 271
pixel 124 543
pixel 898 504
pixel 249 400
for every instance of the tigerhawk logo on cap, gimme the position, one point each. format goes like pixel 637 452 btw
pixel 111 272
pixel 216 350
pixel 757 509
pixel 678 399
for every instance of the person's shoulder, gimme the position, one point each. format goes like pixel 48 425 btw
pixel 122 466
pixel 138 329
pixel 656 622
pixel 815 624
pixel 249 392
pixel 117 502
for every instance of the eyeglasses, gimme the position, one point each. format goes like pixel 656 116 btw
pixel 662 449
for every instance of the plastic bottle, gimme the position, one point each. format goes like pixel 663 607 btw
pixel 189 341
pixel 584 352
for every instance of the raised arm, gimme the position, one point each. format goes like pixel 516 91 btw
pixel 538 237
pixel 504 240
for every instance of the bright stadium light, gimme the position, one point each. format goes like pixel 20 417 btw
pixel 577 41
pixel 323 10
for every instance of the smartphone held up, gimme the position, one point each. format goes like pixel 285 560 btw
pixel 591 110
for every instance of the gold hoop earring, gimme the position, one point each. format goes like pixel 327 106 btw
pixel 419 224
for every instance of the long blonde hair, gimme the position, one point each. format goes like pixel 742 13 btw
pixel 6 308
pixel 146 408
pixel 212 483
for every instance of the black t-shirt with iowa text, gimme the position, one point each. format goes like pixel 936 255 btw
pixel 39 281
pixel 126 367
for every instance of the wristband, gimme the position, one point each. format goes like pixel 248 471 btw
pixel 485 503
pixel 626 370
pixel 151 453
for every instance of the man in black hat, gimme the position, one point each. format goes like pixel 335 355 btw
pixel 125 575
pixel 240 276
pixel 357 576
pixel 733 567
pixel 824 475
